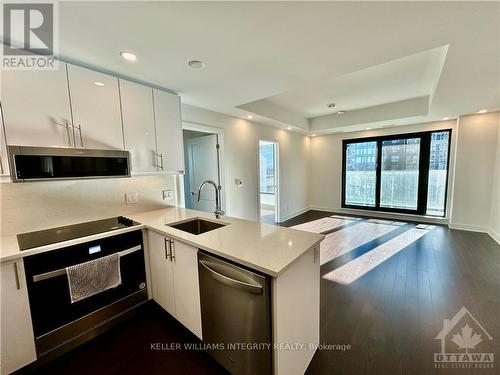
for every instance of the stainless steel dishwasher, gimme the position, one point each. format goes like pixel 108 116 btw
pixel 236 315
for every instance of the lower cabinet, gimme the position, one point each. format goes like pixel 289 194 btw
pixel 18 343
pixel 174 278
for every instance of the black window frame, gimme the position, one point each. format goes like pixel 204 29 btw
pixel 423 180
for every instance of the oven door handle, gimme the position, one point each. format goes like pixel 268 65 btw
pixel 62 271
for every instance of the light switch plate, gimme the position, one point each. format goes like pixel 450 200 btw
pixel 131 198
pixel 168 195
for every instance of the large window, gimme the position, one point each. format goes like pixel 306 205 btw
pixel 404 173
pixel 361 165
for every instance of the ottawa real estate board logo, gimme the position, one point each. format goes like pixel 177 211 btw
pixel 29 35
pixel 465 343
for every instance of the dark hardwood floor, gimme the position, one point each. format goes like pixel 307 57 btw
pixel 390 316
pixel 138 346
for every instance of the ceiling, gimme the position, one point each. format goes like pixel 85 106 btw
pixel 395 62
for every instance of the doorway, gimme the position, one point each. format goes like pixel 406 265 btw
pixel 202 160
pixel 268 182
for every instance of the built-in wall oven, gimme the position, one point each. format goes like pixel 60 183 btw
pixel 59 323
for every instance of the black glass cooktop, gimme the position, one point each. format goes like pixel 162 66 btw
pixel 69 232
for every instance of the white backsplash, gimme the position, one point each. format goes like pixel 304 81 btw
pixel 38 205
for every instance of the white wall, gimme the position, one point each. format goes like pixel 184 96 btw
pixel 495 196
pixel 241 161
pixel 475 165
pixel 38 205
pixel 325 189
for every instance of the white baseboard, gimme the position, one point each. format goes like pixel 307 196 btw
pixel 293 214
pixel 384 215
pixel 494 235
pixel 469 227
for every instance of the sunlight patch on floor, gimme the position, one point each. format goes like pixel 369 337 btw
pixel 347 239
pixel 324 224
pixel 356 268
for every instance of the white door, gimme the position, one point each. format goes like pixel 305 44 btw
pixel 95 101
pixel 35 106
pixel 18 343
pixel 138 125
pixel 161 268
pixel 186 286
pixel 168 126
pixel 202 157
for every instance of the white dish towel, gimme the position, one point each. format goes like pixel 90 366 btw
pixel 93 277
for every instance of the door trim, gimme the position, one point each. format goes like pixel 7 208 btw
pixel 188 125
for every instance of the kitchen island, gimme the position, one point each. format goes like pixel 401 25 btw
pixel 289 257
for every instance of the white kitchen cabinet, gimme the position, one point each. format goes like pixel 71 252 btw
pixel 36 107
pixel 187 286
pixel 138 125
pixel 4 159
pixel 18 343
pixel 95 102
pixel 161 269
pixel 174 275
pixel 169 139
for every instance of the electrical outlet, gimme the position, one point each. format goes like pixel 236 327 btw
pixel 168 195
pixel 131 198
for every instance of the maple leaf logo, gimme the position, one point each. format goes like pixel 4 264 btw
pixel 466 340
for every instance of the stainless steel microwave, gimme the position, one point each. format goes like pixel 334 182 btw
pixel 58 163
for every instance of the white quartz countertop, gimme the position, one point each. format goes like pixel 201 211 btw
pixel 263 247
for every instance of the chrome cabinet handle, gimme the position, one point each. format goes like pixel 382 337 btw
pixel 172 250
pixel 69 134
pixel 66 125
pixel 16 274
pixel 160 157
pixel 252 288
pixel 80 131
pixel 168 251
pixel 79 128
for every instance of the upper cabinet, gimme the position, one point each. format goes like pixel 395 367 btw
pixel 36 107
pixel 4 161
pixel 82 108
pixel 169 143
pixel 139 126
pixel 95 102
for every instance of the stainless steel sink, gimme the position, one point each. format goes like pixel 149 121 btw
pixel 197 226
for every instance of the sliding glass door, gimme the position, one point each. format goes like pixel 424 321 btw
pixel 361 168
pixel 401 173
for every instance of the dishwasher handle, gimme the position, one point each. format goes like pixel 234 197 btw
pixel 252 288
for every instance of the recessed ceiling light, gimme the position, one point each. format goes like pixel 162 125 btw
pixel 340 112
pixel 249 116
pixel 289 128
pixel 368 128
pixel 331 105
pixel 313 135
pixel 129 56
pixel 482 111
pixel 97 83
pixel 446 118
pixel 196 64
